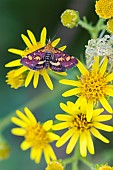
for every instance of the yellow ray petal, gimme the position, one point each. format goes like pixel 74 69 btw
pixel 22 116
pixel 89 111
pixel 109 91
pixel 13 63
pixel 29 78
pixel 61 125
pixel 20 71
pixel 109 77
pixel 103 67
pixel 46 155
pixel 47 125
pixel 26 40
pixel 18 122
pixel 98 135
pixel 102 118
pixel 103 127
pixel 32 37
pixel 55 42
pixel 70 104
pixel 72 92
pixel 25 145
pixel 51 153
pixel 97 112
pixel 33 153
pixel 38 155
pixel 65 137
pixel 52 136
pixel 82 69
pixel 65 108
pixel 106 105
pixel 43 36
pixel 61 73
pixel 16 51
pixel 95 65
pixel 83 144
pixel 62 48
pixel 90 144
pixel 47 79
pixel 18 131
pixel 30 115
pixel 36 79
pixel 81 100
pixel 70 82
pixel 63 117
pixel 72 142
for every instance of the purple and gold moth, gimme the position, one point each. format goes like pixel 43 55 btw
pixel 49 57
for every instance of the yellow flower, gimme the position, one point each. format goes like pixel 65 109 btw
pixel 4 149
pixel 79 128
pixel 105 167
pixel 93 85
pixel 55 165
pixel 33 45
pixel 17 81
pixel 37 136
pixel 104 8
pixel 110 25
pixel 70 18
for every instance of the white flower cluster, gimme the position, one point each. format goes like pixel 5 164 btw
pixel 100 47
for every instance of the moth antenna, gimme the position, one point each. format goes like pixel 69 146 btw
pixel 55 34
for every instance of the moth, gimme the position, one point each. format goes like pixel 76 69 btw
pixel 49 57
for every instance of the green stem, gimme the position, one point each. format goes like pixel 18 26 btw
pixel 33 104
pixel 86 162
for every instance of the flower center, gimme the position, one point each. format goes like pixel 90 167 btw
pixel 36 136
pixel 93 86
pixel 81 123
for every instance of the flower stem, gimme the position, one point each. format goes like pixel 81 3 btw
pixel 86 162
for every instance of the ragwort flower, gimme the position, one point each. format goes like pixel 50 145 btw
pixel 105 167
pixel 104 8
pixel 33 45
pixel 110 26
pixel 54 165
pixel 93 86
pixel 79 128
pixel 37 136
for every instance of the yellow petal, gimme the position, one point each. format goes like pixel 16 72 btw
pixel 90 144
pixel 55 42
pixel 97 112
pixel 65 137
pixel 83 144
pixel 80 101
pixel 43 36
pixel 33 153
pixel 89 111
pixel 109 91
pixel 70 82
pixel 61 125
pixel 102 118
pixel 47 79
pixel 95 65
pixel 106 105
pixel 32 37
pixel 36 78
pixel 72 142
pixel 30 115
pixel 13 63
pixel 20 71
pixel 82 69
pixel 51 153
pixel 103 127
pixel 52 136
pixel 61 73
pixel 65 108
pixel 25 145
pixel 72 92
pixel 18 122
pixel 103 67
pixel 98 135
pixel 18 131
pixel 47 125
pixel 46 155
pixel 16 51
pixel 22 116
pixel 38 155
pixel 63 117
pixel 62 48
pixel 109 77
pixel 26 40
pixel 29 78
